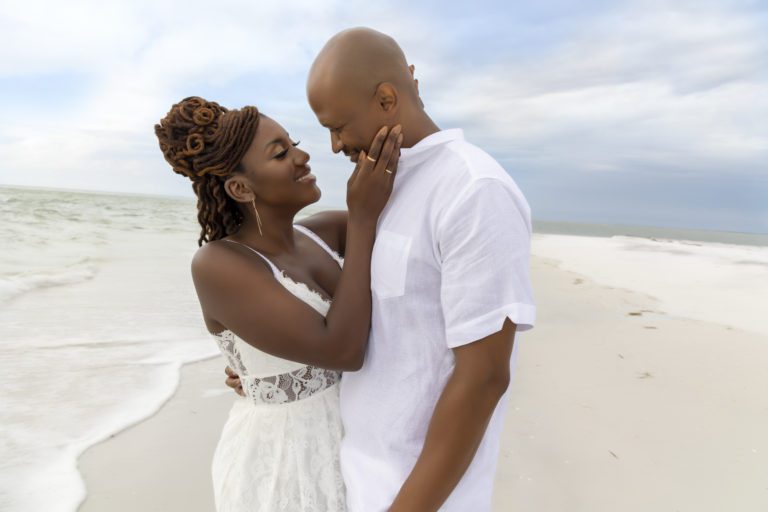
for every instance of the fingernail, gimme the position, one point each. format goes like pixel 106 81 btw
pixel 383 130
pixel 400 139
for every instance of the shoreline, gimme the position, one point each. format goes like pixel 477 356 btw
pixel 644 410
pixel 689 280
pixel 116 469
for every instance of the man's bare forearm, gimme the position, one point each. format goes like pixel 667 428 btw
pixel 457 427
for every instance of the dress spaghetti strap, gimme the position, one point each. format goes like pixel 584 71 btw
pixel 338 259
pixel 275 270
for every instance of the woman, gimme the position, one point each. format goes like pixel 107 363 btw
pixel 265 286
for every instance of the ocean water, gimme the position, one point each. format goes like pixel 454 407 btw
pixel 98 312
pixel 649 232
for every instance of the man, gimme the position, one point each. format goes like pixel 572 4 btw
pixel 450 288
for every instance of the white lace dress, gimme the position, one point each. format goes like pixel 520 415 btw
pixel 279 450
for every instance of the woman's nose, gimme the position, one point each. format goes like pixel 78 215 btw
pixel 303 157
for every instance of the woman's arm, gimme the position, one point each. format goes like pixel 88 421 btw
pixel 241 294
pixel 247 300
pixel 331 226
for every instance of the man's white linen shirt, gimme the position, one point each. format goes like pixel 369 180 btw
pixel 450 264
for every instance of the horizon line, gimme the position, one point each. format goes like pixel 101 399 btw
pixel 535 220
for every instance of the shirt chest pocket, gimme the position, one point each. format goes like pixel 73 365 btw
pixel 389 264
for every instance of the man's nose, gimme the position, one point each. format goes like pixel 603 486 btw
pixel 336 144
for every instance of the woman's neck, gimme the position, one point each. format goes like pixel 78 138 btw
pixel 276 236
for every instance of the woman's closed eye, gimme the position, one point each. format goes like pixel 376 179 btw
pixel 283 153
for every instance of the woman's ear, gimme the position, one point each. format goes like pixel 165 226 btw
pixel 238 190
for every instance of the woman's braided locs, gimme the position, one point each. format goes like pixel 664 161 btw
pixel 206 142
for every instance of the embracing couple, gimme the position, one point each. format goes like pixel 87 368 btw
pixel 372 348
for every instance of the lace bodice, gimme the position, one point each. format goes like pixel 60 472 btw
pixel 270 379
pixel 279 449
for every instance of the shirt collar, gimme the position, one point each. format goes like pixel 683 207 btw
pixel 408 155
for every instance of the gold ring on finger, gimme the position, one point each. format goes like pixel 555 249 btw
pixel 370 159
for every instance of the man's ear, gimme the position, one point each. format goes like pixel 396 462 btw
pixel 415 80
pixel 386 97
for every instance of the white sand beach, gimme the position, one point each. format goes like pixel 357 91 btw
pixel 615 405
pixel 637 133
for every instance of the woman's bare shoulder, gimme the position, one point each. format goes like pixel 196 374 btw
pixel 219 259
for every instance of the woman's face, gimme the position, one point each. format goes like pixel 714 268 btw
pixel 277 170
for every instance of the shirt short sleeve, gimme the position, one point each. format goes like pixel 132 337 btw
pixel 484 243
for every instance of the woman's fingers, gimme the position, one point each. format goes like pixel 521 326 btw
pixel 233 381
pixel 394 157
pixel 375 150
pixel 386 149
pixel 360 159
pixel 383 162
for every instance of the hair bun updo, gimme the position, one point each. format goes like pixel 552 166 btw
pixel 198 137
pixel 205 142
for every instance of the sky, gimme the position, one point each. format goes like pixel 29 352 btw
pixel 621 112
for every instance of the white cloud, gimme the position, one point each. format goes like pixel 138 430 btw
pixel 639 85
pixel 139 57
pixel 682 89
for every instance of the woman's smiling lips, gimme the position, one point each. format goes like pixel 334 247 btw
pixel 305 175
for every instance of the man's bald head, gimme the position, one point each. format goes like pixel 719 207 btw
pixel 359 82
pixel 356 61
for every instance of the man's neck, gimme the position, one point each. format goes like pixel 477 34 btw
pixel 417 128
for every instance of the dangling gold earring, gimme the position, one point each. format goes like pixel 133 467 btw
pixel 258 219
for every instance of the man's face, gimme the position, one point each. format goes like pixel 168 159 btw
pixel 352 119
